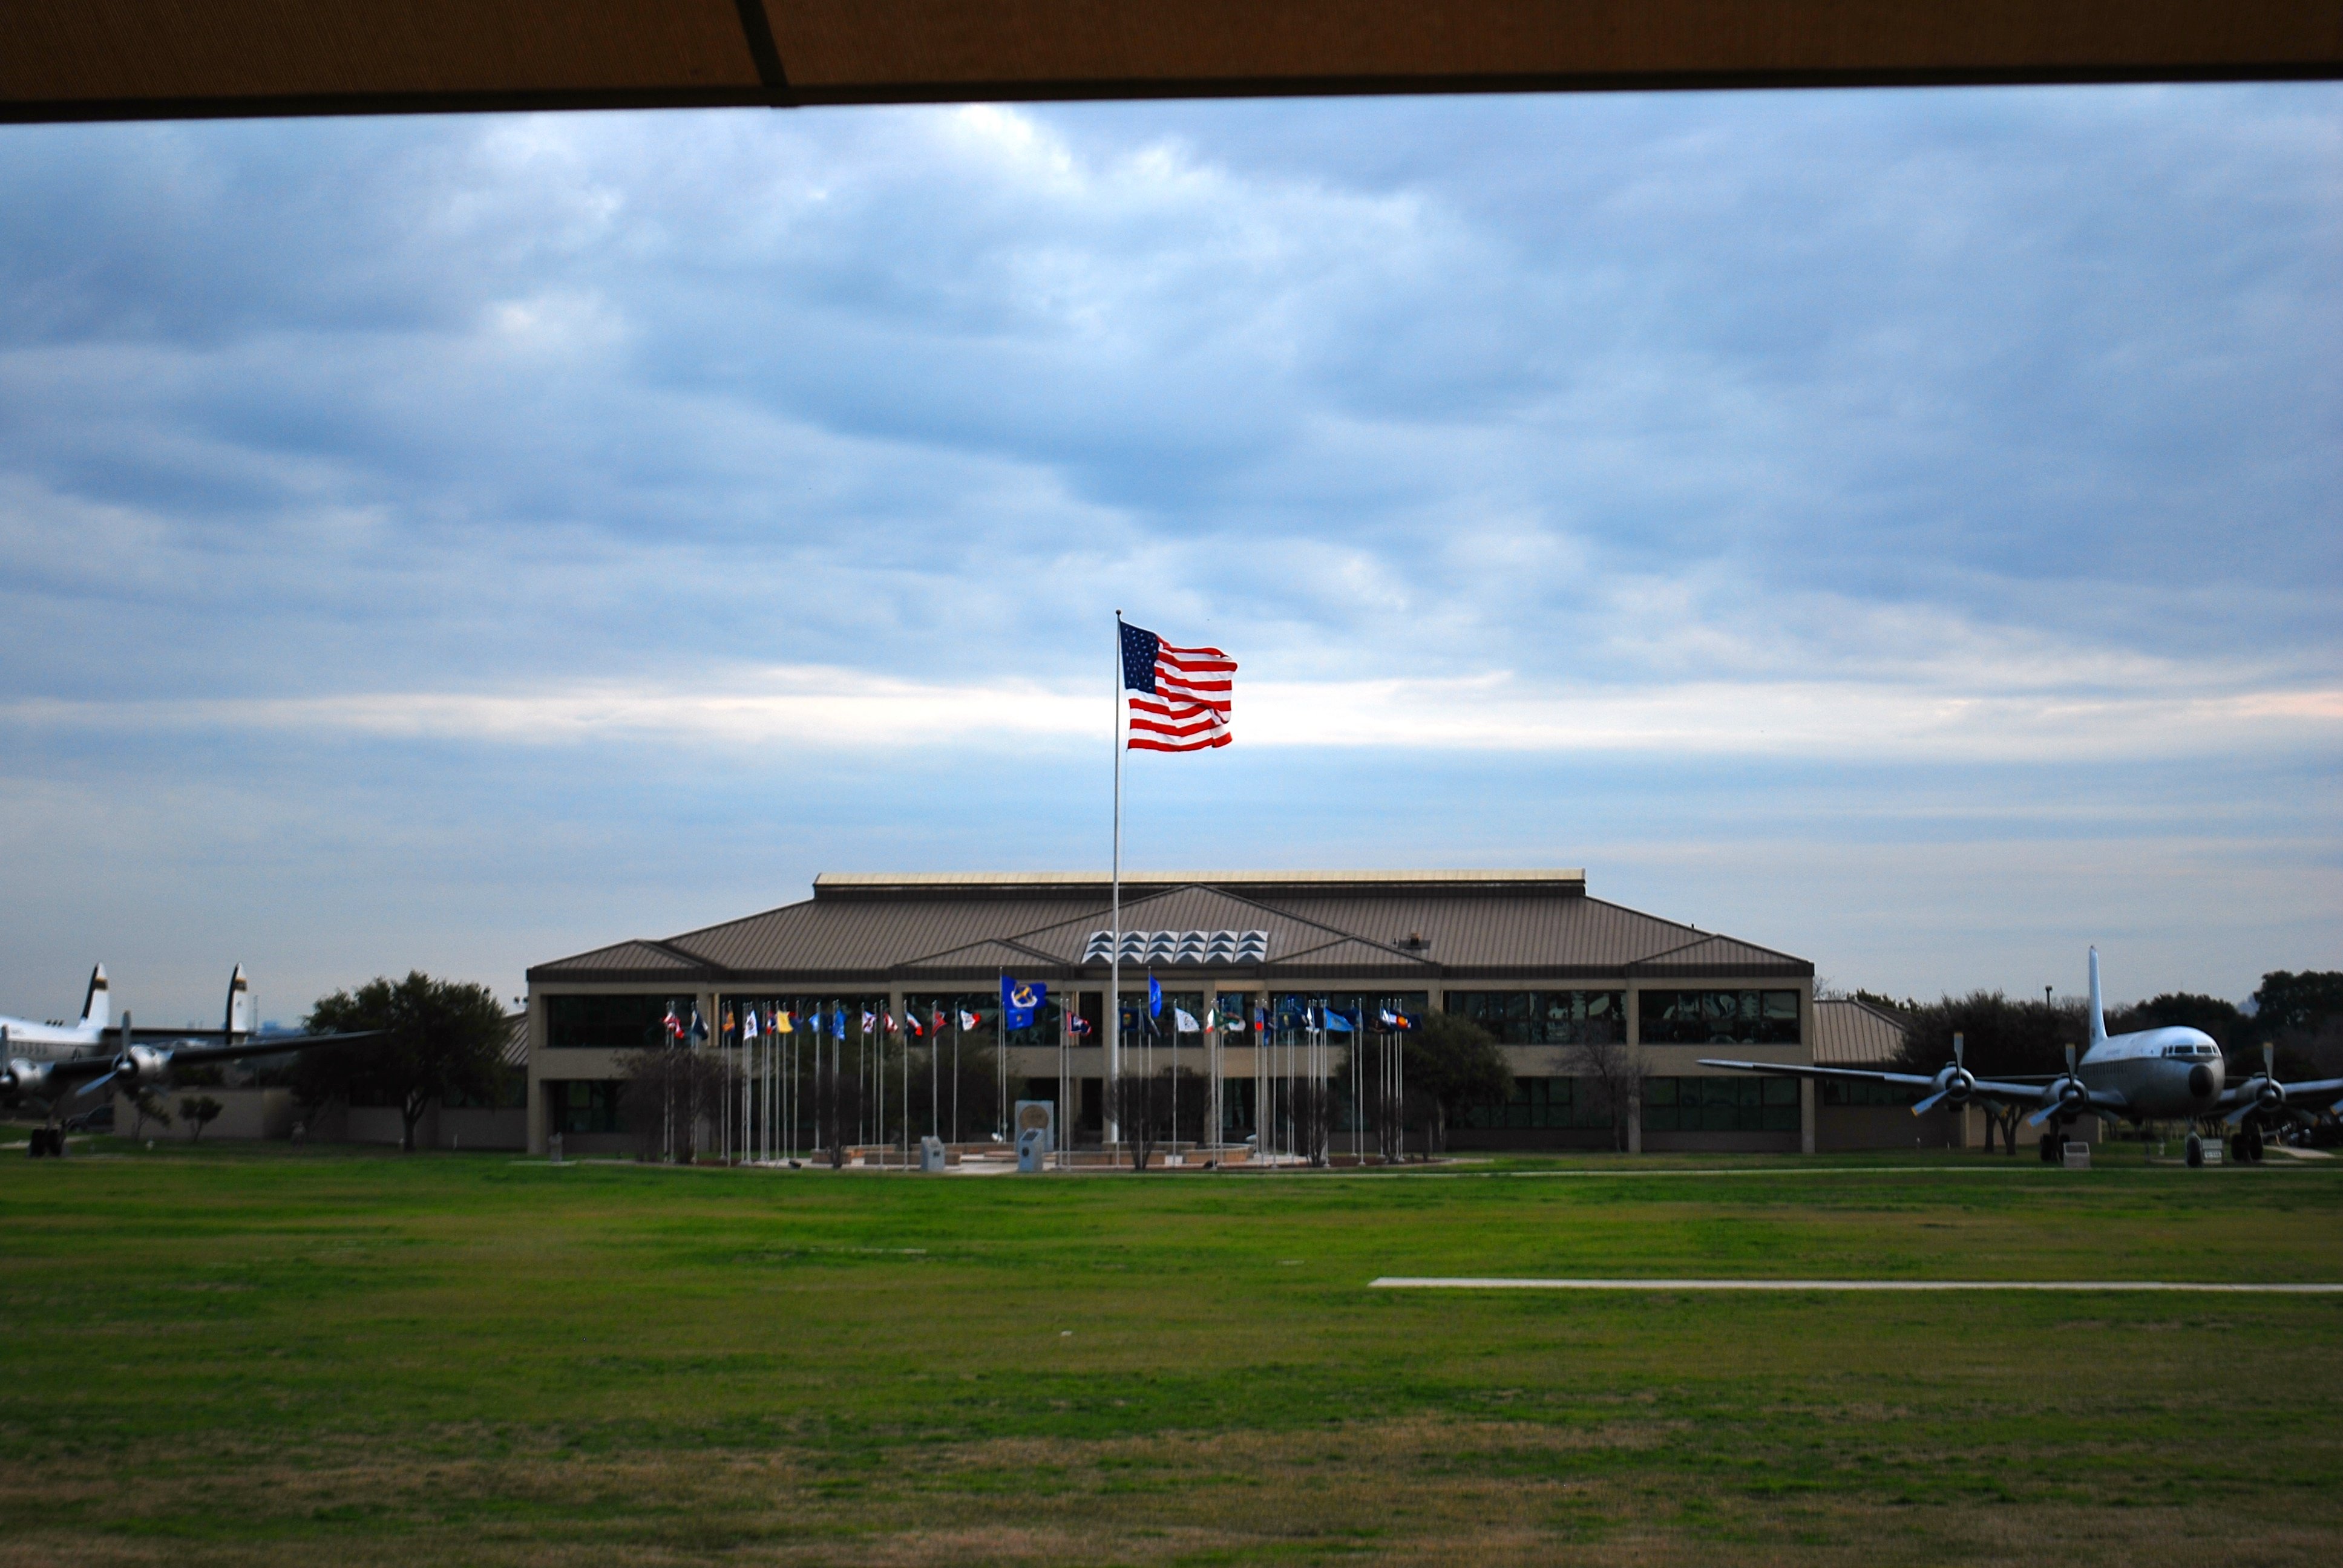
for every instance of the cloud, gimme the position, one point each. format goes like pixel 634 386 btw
pixel 1801 432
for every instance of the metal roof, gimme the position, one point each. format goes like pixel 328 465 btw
pixel 1459 927
pixel 1849 1034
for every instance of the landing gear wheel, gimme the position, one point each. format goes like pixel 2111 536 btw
pixel 2253 1142
pixel 2196 1151
pixel 2050 1142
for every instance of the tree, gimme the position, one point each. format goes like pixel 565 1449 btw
pixel 2006 1038
pixel 1312 1109
pixel 2184 1010
pixel 1138 1102
pixel 1611 1072
pixel 1452 1063
pixel 670 1092
pixel 438 1037
pixel 146 1106
pixel 198 1112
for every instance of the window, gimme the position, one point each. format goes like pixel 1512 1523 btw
pixel 510 1093
pixel 610 1022
pixel 1720 1018
pixel 1858 1091
pixel 583 1105
pixel 1546 1016
pixel 1543 1102
pixel 1750 1104
pixel 1237 1105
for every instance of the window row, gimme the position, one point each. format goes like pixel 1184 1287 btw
pixel 1546 1016
pixel 1719 1017
pixel 1750 1104
pixel 1546 1102
pixel 1857 1091
pixel 583 1105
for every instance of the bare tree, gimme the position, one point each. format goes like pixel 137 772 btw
pixel 670 1092
pixel 1313 1108
pixel 1137 1103
pixel 1610 1074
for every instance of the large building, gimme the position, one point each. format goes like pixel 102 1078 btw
pixel 1554 974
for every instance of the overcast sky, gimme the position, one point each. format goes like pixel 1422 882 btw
pixel 1897 528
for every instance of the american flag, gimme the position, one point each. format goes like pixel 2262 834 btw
pixel 1182 694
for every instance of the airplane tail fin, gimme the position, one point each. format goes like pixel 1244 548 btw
pixel 98 1002
pixel 238 1020
pixel 2099 1012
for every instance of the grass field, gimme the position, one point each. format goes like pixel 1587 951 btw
pixel 269 1355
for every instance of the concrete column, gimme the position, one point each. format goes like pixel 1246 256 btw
pixel 895 1007
pixel 1805 1116
pixel 535 1102
pixel 1634 1024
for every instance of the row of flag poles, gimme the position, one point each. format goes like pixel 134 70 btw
pixel 1293 1045
pixel 772 1040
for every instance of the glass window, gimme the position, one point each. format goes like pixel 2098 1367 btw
pixel 611 1022
pixel 510 1093
pixel 1720 1018
pixel 1721 1104
pixel 583 1105
pixel 1861 1091
pixel 1545 1017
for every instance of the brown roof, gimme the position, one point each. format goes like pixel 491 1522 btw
pixel 1849 1034
pixel 1454 927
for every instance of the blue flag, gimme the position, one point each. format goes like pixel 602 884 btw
pixel 837 1024
pixel 1154 996
pixel 1336 1023
pixel 1020 1000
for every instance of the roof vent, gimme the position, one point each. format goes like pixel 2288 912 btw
pixel 1415 942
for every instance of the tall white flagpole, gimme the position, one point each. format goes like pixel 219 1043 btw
pixel 1113 1020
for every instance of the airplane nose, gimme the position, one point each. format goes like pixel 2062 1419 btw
pixel 2200 1082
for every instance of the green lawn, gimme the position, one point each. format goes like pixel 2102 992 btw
pixel 238 1354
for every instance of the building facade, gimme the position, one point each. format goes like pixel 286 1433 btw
pixel 1573 988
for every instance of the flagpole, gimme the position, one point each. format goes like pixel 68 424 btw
pixel 1113 1020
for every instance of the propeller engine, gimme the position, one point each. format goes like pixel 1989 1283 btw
pixel 2265 1095
pixel 139 1067
pixel 2064 1098
pixel 1954 1082
pixel 26 1078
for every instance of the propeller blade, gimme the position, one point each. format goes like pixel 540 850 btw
pixel 94 1083
pixel 2269 1059
pixel 2238 1118
pixel 1928 1104
pixel 2043 1115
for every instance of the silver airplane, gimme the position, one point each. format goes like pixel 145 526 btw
pixel 2170 1074
pixel 49 1065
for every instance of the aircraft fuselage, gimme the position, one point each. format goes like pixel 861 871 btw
pixel 2163 1074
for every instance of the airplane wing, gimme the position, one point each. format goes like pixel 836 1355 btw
pixel 264 1045
pixel 1986 1087
pixel 1854 1074
pixel 2299 1096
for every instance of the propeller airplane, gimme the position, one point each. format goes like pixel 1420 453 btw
pixel 49 1065
pixel 2163 1074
